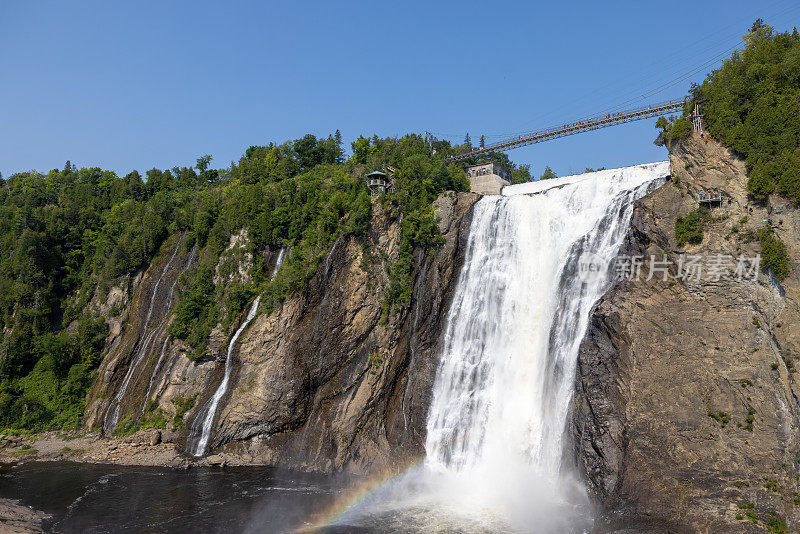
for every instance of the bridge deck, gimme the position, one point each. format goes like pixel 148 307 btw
pixel 603 121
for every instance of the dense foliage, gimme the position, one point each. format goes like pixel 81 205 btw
pixel 63 235
pixel 672 128
pixel 689 228
pixel 752 105
pixel 70 235
pixel 773 253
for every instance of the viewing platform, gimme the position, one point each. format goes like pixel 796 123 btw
pixel 710 200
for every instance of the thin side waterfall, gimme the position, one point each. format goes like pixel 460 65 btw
pixel 206 416
pixel 537 261
pixel 278 262
pixel 170 294
pixel 112 414
pixel 200 432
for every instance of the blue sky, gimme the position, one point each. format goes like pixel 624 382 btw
pixel 138 85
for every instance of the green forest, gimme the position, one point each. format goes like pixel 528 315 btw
pixel 751 104
pixel 69 235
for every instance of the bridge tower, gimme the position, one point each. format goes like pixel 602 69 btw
pixel 697 118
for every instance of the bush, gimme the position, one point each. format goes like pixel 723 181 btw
pixel 773 253
pixel 181 407
pixel 689 229
pixel 672 128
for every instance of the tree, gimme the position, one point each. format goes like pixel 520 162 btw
pixel 203 162
pixel 521 174
pixel 337 139
pixel 751 104
pixel 362 149
pixel 548 174
pixel 67 167
pixel 306 151
pixel 483 141
pixel 468 142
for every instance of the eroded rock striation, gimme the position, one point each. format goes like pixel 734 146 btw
pixel 328 380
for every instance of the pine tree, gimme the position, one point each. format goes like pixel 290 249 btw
pixel 337 138
pixel 483 141
pixel 548 174
pixel 67 167
pixel 468 142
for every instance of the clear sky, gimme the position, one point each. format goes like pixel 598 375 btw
pixel 137 85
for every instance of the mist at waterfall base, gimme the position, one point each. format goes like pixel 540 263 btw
pixel 498 456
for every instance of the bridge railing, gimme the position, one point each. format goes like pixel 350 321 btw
pixel 602 121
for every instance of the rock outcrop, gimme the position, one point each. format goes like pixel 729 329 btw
pixel 138 337
pixel 686 412
pixel 16 518
pixel 330 380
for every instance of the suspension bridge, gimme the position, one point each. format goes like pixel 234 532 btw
pixel 573 128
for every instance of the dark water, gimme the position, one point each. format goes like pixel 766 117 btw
pixel 93 498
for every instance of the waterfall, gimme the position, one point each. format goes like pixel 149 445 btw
pixel 496 446
pixel 278 262
pixel 112 414
pixel 170 294
pixel 200 432
pixel 206 415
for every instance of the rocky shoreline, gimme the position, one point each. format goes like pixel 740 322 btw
pixel 151 448
pixel 16 518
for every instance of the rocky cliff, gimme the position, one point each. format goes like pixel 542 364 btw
pixel 326 381
pixel 686 412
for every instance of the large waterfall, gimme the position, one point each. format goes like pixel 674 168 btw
pixel 537 261
pixel 519 313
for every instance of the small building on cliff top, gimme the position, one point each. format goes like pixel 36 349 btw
pixel 379 183
pixel 488 178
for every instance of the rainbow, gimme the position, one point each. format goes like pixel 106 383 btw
pixel 349 499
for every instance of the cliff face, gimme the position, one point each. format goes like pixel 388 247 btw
pixel 326 381
pixel 686 411
pixel 137 335
pixel 323 382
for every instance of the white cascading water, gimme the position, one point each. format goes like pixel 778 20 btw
pixel 496 446
pixel 278 262
pixel 210 410
pixel 170 294
pixel 112 414
pixel 197 443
